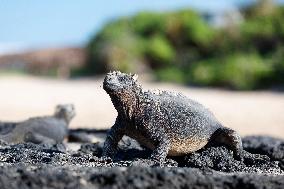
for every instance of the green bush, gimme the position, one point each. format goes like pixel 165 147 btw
pixel 197 30
pixel 148 23
pixel 188 28
pixel 238 71
pixel 159 51
pixel 277 61
pixel 116 47
pixel 170 74
pixel 263 29
pixel 182 47
pixel 245 71
pixel 204 73
pixel 148 36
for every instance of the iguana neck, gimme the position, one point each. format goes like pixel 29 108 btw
pixel 125 103
pixel 63 117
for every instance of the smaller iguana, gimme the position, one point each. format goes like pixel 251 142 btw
pixel 166 122
pixel 48 129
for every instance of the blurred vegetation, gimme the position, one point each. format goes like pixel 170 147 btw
pixel 183 47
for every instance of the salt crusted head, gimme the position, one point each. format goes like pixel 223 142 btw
pixel 118 82
pixel 65 111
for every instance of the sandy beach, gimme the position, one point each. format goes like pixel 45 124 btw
pixel 247 112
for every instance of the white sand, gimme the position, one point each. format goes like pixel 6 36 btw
pixel 247 112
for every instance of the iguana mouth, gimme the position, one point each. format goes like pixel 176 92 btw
pixel 110 88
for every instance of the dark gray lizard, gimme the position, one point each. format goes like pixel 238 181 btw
pixel 48 129
pixel 166 122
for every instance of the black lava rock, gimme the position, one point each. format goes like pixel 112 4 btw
pixel 51 166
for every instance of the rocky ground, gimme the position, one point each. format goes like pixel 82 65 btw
pixel 79 165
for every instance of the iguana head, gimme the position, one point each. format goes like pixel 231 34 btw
pixel 123 91
pixel 119 82
pixel 65 111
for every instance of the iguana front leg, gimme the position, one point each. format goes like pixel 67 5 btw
pixel 114 135
pixel 160 153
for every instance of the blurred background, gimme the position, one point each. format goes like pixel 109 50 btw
pixel 226 54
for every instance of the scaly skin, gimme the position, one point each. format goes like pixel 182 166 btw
pixel 166 122
pixel 48 129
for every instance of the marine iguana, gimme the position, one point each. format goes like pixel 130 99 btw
pixel 168 123
pixel 48 129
